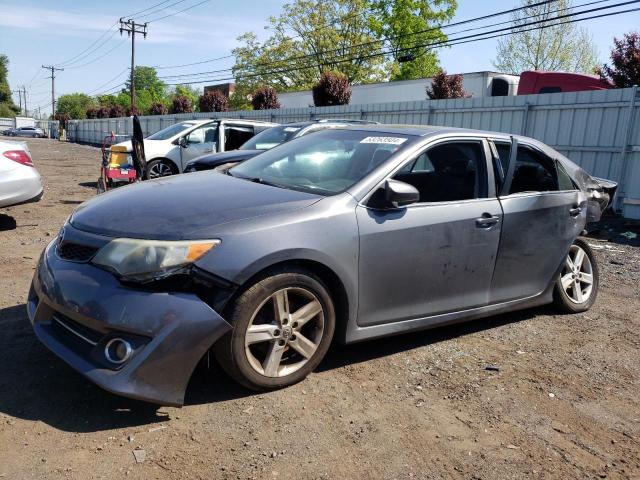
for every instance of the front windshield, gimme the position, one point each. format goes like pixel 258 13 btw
pixel 169 132
pixel 270 138
pixel 326 162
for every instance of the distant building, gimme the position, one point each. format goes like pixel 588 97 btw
pixel 477 84
pixel 225 88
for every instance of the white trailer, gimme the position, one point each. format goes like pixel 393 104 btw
pixel 23 122
pixel 477 84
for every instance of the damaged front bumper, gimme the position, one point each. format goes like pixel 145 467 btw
pixel 76 309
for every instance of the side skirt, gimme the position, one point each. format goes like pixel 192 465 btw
pixel 359 334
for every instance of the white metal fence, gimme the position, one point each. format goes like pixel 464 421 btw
pixel 599 130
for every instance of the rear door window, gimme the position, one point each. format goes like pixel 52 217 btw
pixel 533 172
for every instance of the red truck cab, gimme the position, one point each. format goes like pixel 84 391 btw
pixel 532 82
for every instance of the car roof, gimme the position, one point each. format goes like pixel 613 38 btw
pixel 425 130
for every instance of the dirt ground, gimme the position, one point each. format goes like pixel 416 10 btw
pixel 561 398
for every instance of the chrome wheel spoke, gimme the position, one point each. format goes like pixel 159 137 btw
pixel 281 306
pixel 568 263
pixel 586 278
pixel 301 316
pixel 577 292
pixel 567 281
pixel 579 258
pixel 261 333
pixel 272 361
pixel 303 346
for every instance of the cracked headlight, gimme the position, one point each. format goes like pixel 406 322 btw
pixel 144 260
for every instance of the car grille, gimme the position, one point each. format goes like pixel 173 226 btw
pixel 75 252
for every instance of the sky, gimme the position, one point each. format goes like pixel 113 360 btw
pixel 33 33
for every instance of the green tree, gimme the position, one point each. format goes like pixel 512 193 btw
pixel 309 37
pixel 146 80
pixel 405 25
pixel 7 107
pixel 74 104
pixel 556 47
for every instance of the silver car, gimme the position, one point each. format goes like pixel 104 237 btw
pixel 344 234
pixel 33 132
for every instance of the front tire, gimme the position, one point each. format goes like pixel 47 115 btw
pixel 577 285
pixel 282 328
pixel 159 168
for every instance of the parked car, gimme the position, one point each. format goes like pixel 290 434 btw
pixel 19 180
pixel 33 132
pixel 169 150
pixel 350 233
pixel 266 140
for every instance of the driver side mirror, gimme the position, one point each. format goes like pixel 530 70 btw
pixel 400 194
pixel 183 142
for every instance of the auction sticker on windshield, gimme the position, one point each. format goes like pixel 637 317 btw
pixel 386 140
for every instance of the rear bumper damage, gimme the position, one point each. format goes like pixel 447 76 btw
pixel 76 309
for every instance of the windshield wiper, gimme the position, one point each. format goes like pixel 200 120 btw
pixel 257 180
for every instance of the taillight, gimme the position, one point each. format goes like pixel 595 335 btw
pixel 19 156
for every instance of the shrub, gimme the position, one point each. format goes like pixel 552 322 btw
pixel 625 57
pixel 92 112
pixel 181 104
pixel 103 112
pixel 63 118
pixel 213 101
pixel 446 86
pixel 332 89
pixel 158 108
pixel 116 111
pixel 265 98
pixel 131 111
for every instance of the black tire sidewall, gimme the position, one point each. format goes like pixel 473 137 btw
pixel 561 299
pixel 233 358
pixel 155 162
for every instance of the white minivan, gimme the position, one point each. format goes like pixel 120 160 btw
pixel 169 150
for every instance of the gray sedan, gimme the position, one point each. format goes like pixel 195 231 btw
pixel 345 234
pixel 33 132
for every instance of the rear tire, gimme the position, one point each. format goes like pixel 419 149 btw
pixel 577 285
pixel 282 328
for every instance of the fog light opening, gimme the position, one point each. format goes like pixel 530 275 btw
pixel 118 351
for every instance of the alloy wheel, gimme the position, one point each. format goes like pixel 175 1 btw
pixel 160 169
pixel 284 332
pixel 577 275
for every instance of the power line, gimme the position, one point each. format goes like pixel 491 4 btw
pixel 179 11
pixel 99 57
pixel 457 41
pixel 107 82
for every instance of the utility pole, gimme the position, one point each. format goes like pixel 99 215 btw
pixel 24 92
pixel 19 92
pixel 131 27
pixel 53 86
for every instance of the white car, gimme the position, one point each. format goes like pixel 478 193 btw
pixel 20 182
pixel 168 151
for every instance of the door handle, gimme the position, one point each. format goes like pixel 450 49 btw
pixel 487 220
pixel 575 211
